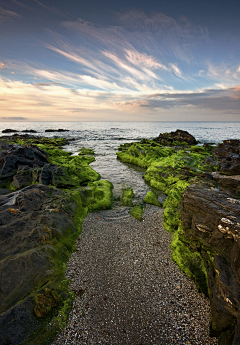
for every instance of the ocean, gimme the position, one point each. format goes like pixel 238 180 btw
pixel 105 138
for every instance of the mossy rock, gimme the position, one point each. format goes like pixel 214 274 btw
pixel 97 195
pixel 190 262
pixel 127 197
pixel 85 151
pixel 151 198
pixel 137 212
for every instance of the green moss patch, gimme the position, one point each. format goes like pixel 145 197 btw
pixel 143 153
pixel 97 195
pixel 85 151
pixel 151 198
pixel 189 261
pixel 127 197
pixel 50 142
pixel 137 212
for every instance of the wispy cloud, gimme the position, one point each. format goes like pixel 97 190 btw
pixel 163 32
pixel 2 65
pixel 52 9
pixel 114 55
pixel 20 4
pixel 6 15
pixel 221 73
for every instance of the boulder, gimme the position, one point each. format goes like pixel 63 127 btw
pixel 211 228
pixel 177 136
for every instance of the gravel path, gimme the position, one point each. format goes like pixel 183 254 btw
pixel 128 289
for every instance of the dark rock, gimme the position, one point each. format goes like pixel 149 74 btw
pixel 17 323
pixel 35 225
pixel 228 155
pixel 52 174
pixel 177 136
pixel 57 130
pixel 23 177
pixel 231 182
pixel 15 156
pixel 8 130
pixel 211 226
pixel 29 131
pixel 231 164
pixel 210 161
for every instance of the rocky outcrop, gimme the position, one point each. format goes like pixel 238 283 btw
pixel 14 156
pixel 37 230
pixel 211 227
pixel 228 154
pixel 229 182
pixel 24 165
pixel 177 136
pixel 39 225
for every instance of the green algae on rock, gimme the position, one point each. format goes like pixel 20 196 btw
pixel 142 153
pixel 127 197
pixel 137 212
pixel 151 198
pixel 97 195
pixel 85 151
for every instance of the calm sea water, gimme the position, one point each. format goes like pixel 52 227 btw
pixel 105 138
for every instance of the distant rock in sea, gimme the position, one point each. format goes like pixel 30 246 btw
pixel 57 130
pixel 8 130
pixel 29 131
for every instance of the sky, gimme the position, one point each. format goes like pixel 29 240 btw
pixel 97 60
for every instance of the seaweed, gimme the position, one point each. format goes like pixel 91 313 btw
pixel 85 151
pixel 127 197
pixel 151 198
pixel 137 212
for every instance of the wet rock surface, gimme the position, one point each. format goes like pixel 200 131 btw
pixel 128 290
pixel 35 223
pixel 211 223
pixel 14 157
pixel 228 154
pixel 177 136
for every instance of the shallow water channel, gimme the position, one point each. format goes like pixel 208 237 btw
pixel 121 175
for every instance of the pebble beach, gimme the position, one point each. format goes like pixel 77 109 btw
pixel 128 289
